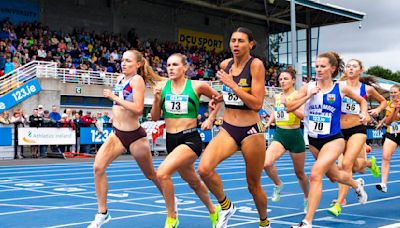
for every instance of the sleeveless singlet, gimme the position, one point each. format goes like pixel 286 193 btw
pixel 124 90
pixel 349 106
pixel 394 127
pixel 322 112
pixel 243 80
pixel 283 118
pixel 183 105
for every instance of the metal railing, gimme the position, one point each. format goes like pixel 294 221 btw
pixel 42 69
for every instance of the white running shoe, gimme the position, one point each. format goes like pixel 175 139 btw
pixel 100 220
pixel 303 224
pixel 276 195
pixel 382 187
pixel 225 215
pixel 360 191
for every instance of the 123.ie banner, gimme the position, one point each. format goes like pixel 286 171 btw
pixel 200 39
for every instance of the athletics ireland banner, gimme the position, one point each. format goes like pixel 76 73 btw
pixel 200 39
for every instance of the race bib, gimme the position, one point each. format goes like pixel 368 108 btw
pixel 319 124
pixel 176 104
pixel 230 98
pixel 395 127
pixel 118 90
pixel 350 106
pixel 281 114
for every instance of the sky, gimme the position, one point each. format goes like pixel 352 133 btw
pixel 377 42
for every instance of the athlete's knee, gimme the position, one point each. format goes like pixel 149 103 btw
pixel 150 175
pixel 99 169
pixel 347 165
pixel 268 165
pixel 386 157
pixel 254 187
pixel 205 172
pixel 300 174
pixel 316 174
pixel 162 176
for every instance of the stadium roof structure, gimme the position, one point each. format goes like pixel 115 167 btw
pixel 274 13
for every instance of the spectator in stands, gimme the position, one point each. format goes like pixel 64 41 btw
pixel 2 61
pixel 5 118
pixel 78 124
pixel 41 53
pixel 35 121
pixel 16 63
pixel 88 120
pixel 9 66
pixel 199 120
pixel 55 115
pixel 18 120
pixel 65 121
pixel 106 117
pixel 47 122
pixel 18 117
pixel 40 110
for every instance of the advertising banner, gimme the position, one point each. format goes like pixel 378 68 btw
pixel 19 94
pixel 46 136
pixel 200 39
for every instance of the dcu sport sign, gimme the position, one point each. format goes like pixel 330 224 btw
pixel 19 94
pixel 201 40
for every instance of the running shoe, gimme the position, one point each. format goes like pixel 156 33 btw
pixel 303 224
pixel 99 220
pixel 225 215
pixel 214 217
pixel 376 172
pixel 382 187
pixel 335 209
pixel 360 191
pixel 171 222
pixel 305 205
pixel 276 195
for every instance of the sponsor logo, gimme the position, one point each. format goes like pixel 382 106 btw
pixel 331 98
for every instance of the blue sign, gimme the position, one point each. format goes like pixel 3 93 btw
pixel 269 134
pixel 6 136
pixel 375 134
pixel 19 94
pixel 90 135
pixel 205 135
pixel 19 11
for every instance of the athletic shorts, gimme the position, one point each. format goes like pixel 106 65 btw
pixel 394 137
pixel 129 137
pixel 189 137
pixel 291 139
pixel 320 142
pixel 240 133
pixel 359 129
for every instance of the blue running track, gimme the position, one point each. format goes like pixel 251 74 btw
pixel 63 195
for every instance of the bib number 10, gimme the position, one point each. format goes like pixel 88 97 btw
pixel 318 126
